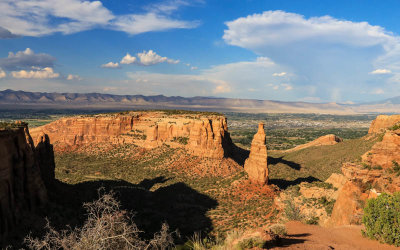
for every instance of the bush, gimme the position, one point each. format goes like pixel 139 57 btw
pixel 292 212
pixel 382 219
pixel 278 229
pixel 107 227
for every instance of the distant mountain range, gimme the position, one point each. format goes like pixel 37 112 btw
pixel 39 100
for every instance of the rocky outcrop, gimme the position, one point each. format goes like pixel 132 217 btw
pixel 256 165
pixel 383 122
pixel 383 153
pixel 321 141
pixel 201 134
pixel 363 183
pixel 45 157
pixel 21 186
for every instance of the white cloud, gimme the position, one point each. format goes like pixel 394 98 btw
pixel 380 72
pixel 111 65
pixel 44 17
pixel 279 74
pixel 38 73
pixel 128 59
pixel 146 58
pixel 71 77
pixel 334 56
pixel 136 24
pixel 193 68
pixel 2 73
pixel 150 58
pixel 26 59
pixel 378 92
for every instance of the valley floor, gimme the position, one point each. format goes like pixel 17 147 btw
pixel 310 237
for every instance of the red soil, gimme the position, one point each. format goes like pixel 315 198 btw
pixel 311 237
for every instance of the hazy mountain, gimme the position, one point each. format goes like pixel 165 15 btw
pixel 22 99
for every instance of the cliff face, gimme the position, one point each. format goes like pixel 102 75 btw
pixel 21 186
pixel 383 122
pixel 383 153
pixel 256 165
pixel 203 135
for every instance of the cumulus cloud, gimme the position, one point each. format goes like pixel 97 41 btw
pixel 2 73
pixel 71 77
pixel 44 17
pixel 150 58
pixel 145 58
pixel 333 55
pixel 128 59
pixel 44 73
pixel 111 65
pixel 26 59
pixel 380 72
pixel 279 74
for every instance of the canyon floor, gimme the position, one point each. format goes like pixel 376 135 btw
pixel 311 237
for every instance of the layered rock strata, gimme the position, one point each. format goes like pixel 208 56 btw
pixel 21 186
pixel 383 122
pixel 256 165
pixel 201 134
pixel 386 152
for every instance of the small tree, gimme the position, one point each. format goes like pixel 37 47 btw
pixel 106 227
pixel 382 219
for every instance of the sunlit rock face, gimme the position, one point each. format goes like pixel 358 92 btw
pixel 256 165
pixel 21 187
pixel 201 134
pixel 383 122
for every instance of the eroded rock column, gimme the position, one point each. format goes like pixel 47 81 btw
pixel 256 165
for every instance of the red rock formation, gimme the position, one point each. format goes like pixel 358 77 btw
pixel 383 153
pixel 202 135
pixel 21 186
pixel 362 184
pixel 321 141
pixel 383 122
pixel 256 165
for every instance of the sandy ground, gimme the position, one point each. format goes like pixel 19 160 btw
pixel 311 237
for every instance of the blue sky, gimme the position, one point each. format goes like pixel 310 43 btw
pixel 318 51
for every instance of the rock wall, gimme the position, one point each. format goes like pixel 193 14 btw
pixel 383 153
pixel 21 186
pixel 256 165
pixel 383 122
pixel 202 135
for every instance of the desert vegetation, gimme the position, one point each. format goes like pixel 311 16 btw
pixel 382 219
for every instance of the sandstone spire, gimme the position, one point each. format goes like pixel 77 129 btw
pixel 256 165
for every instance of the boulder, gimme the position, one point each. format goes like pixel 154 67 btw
pixel 256 165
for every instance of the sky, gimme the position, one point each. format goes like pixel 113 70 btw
pixel 343 51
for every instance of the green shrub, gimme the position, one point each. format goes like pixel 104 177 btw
pixel 382 219
pixel 395 127
pixel 292 212
pixel 278 229
pixel 250 243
